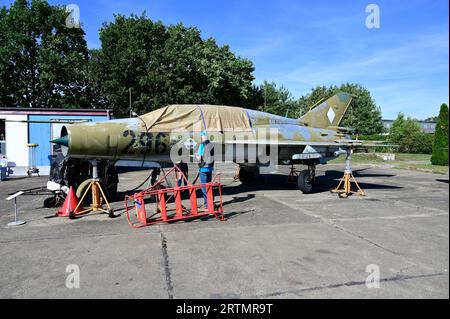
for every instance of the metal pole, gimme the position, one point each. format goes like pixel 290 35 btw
pixel 94 170
pixel 16 222
pixel 15 209
pixel 348 169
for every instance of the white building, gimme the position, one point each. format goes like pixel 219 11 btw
pixel 20 127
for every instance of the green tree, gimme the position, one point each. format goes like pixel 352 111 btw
pixel 440 144
pixel 408 135
pixel 165 65
pixel 272 99
pixel 43 63
pixel 364 115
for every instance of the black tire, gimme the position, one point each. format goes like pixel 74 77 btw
pixel 111 181
pixel 111 191
pixel 82 187
pixel 50 202
pixel 305 182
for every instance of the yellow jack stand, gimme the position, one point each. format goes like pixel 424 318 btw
pixel 98 197
pixel 346 181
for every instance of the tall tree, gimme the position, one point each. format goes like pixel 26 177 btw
pixel 440 144
pixel 43 62
pixel 363 115
pixel 164 65
pixel 275 100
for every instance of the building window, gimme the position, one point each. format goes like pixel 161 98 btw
pixel 2 137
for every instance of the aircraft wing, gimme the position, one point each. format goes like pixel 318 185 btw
pixel 339 143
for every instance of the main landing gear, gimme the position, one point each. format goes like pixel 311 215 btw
pixel 304 179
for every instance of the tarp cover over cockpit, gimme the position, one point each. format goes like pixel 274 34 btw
pixel 192 117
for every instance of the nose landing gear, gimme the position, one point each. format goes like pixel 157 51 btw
pixel 306 179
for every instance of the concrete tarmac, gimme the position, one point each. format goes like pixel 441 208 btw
pixel 275 243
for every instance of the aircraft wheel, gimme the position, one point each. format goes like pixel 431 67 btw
pixel 82 187
pixel 50 202
pixel 305 182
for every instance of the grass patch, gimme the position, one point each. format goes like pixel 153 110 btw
pixel 359 158
pixel 412 157
pixel 429 168
pixel 402 161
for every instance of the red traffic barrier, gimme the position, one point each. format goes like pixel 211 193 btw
pixel 161 204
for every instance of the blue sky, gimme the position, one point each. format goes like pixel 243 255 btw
pixel 301 44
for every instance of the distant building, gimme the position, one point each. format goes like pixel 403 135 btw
pixel 427 127
pixel 22 126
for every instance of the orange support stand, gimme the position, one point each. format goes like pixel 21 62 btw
pixel 344 188
pixel 346 183
pixel 168 202
pixel 97 194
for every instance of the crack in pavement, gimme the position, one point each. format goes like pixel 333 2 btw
pixel 388 217
pixel 348 284
pixel 367 240
pixel 167 273
pixel 330 223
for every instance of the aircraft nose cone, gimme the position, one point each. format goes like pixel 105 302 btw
pixel 64 141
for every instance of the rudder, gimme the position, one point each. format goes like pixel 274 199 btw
pixel 328 113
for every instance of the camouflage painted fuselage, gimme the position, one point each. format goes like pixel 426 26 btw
pixel 135 139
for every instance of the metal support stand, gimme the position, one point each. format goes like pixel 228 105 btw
pixel 32 169
pixel 347 180
pixel 293 175
pixel 16 222
pixel 98 196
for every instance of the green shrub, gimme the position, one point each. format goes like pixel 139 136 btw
pixel 374 137
pixel 378 137
pixel 440 145
pixel 424 143
pixel 407 134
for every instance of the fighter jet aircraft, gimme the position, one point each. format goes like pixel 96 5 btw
pixel 240 135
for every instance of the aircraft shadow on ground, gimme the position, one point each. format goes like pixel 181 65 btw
pixel 442 180
pixel 323 183
pixel 280 182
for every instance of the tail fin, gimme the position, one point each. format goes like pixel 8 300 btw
pixel 328 113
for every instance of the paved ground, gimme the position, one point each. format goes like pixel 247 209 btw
pixel 276 243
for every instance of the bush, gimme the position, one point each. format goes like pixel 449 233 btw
pixel 440 145
pixel 424 143
pixel 381 138
pixel 374 137
pixel 407 134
